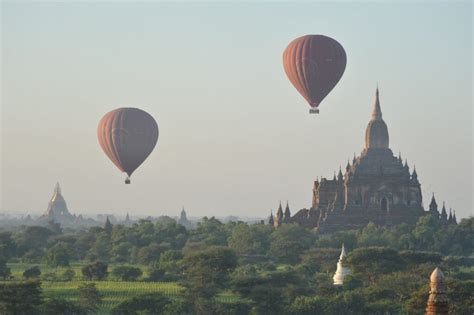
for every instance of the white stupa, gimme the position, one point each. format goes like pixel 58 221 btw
pixel 342 270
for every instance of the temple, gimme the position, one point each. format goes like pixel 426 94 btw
pixel 57 210
pixel 342 270
pixel 183 220
pixel 376 187
pixel 438 301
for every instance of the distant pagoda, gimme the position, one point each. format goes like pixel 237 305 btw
pixel 342 270
pixel 437 301
pixel 57 208
pixel 183 219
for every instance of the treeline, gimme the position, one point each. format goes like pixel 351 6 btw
pixel 145 242
pixel 270 271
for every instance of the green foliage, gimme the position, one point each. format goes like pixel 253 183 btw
pixel 33 272
pixel 127 273
pixel 372 262
pixel 68 275
pixel 150 254
pixel 62 307
pixel 206 271
pixel 20 297
pixel 32 241
pixel 269 293
pixel 210 231
pixel 4 270
pixel 250 239
pixel 150 303
pixel 95 271
pixel 288 242
pixel 320 260
pixel 460 296
pixel 305 305
pixel 7 245
pixel 414 258
pixel 89 297
pixel 58 255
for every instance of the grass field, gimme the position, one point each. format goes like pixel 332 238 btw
pixel 113 292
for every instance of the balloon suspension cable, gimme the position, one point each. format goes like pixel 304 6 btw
pixel 127 180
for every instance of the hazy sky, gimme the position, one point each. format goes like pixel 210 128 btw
pixel 235 136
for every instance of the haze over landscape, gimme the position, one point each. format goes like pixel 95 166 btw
pixel 235 136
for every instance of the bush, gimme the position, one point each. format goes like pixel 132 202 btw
pixel 50 276
pixel 414 258
pixel 62 307
pixel 68 275
pixel 126 273
pixel 95 271
pixel 152 303
pixel 33 272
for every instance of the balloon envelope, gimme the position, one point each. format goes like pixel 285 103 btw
pixel 127 136
pixel 314 64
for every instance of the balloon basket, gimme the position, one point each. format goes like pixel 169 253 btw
pixel 314 111
pixel 127 181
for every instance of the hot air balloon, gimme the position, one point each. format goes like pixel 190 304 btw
pixel 314 64
pixel 127 136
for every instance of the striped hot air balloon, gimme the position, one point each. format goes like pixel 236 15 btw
pixel 314 64
pixel 127 136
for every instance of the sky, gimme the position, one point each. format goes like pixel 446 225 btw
pixel 235 135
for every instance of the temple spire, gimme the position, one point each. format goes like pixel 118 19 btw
pixel 377 111
pixel 57 188
pixel 342 269
pixel 438 300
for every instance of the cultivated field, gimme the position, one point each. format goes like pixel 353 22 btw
pixel 113 292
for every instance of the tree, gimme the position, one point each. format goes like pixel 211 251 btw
pixel 95 271
pixel 7 245
pixel 68 275
pixel 305 305
pixel 58 256
pixel 148 303
pixel 171 233
pixel 121 252
pixel 250 239
pixel 89 297
pixel 320 259
pixel 32 241
pixel 206 271
pixel 370 262
pixel 126 273
pixel 20 297
pixel 414 258
pixel 59 306
pixel 101 248
pixel 150 254
pixel 4 270
pixel 288 242
pixel 269 292
pixel 210 231
pixel 33 272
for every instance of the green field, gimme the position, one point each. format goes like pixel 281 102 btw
pixel 113 292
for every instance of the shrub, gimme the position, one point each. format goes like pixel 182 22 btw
pixel 33 272
pixel 126 273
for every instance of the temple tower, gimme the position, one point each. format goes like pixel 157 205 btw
pixel 438 301
pixel 342 270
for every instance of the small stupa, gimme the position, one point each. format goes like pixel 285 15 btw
pixel 342 270
pixel 437 301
